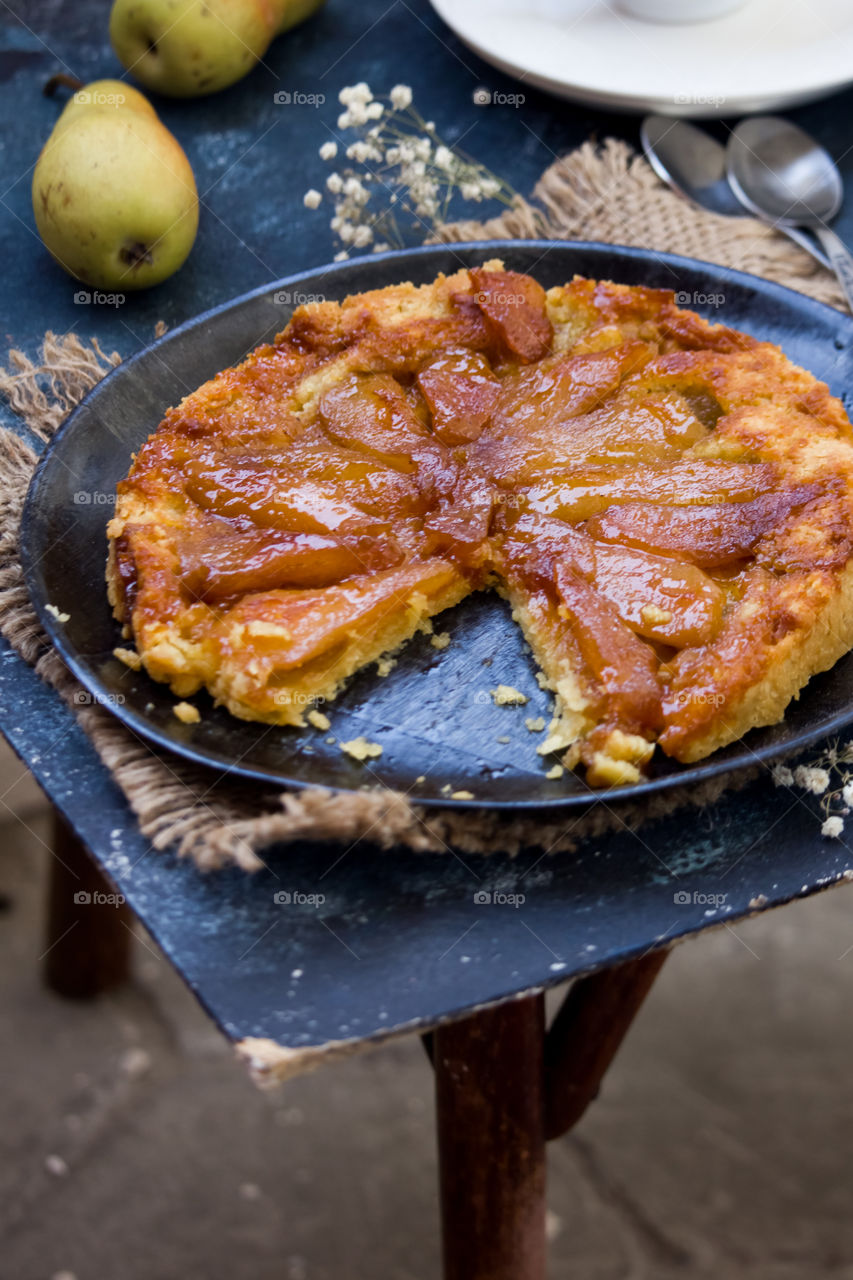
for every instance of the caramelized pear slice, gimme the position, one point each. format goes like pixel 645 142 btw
pixel 214 568
pixel 556 391
pixel 273 498
pixel 286 629
pixel 675 604
pixel 461 391
pixel 623 665
pixel 586 492
pixel 705 535
pixel 463 521
pixel 373 415
pixel 659 598
pixel 514 307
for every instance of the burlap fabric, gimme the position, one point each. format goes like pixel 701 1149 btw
pixel 606 194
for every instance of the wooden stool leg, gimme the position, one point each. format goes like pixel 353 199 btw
pixel 491 1142
pixel 88 936
pixel 586 1033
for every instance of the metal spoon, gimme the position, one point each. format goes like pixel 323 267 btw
pixel 694 164
pixel 782 174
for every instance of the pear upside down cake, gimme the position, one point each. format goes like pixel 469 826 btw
pixel 666 503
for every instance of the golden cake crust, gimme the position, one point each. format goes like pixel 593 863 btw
pixel 666 503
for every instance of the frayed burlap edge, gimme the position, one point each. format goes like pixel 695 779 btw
pixel 605 194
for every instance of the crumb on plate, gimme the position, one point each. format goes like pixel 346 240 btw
pixel 360 749
pixel 318 719
pixel 129 657
pixel 186 713
pixel 506 696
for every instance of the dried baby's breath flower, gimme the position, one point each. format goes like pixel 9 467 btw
pixel 312 199
pixel 401 97
pixel 811 778
pixel 828 777
pixel 397 161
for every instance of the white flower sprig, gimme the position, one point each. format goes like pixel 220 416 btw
pixel 828 777
pixel 398 157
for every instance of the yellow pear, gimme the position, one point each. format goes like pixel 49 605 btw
pixel 185 48
pixel 114 196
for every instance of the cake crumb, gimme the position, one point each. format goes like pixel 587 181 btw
pixel 186 713
pixel 556 772
pixel 462 795
pixel 318 720
pixel 654 616
pixel 360 749
pixel 385 666
pixel 504 738
pixel 446 789
pixel 441 640
pixel 331 740
pixel 420 778
pixel 129 657
pixel 535 724
pixel 506 696
pixel 57 613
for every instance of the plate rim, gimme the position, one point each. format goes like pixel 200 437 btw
pixel 606 99
pixel 689 775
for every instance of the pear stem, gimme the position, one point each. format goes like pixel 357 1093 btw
pixel 61 80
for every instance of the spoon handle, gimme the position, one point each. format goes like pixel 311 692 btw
pixel 840 260
pixel 804 240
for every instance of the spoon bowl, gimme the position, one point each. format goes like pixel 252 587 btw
pixel 690 161
pixel 693 163
pixel 781 173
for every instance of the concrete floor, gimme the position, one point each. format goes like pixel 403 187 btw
pixel 137 1149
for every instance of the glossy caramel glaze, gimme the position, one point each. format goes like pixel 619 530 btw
pixel 665 502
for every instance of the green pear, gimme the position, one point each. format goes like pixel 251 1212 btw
pixel 185 48
pixel 114 196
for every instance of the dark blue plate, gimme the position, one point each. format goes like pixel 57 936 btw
pixel 433 715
